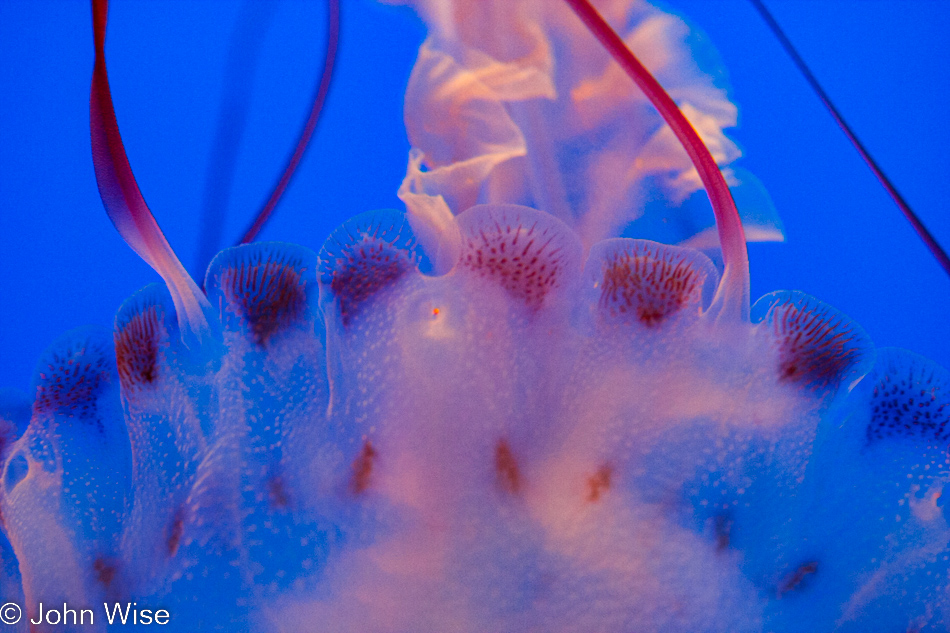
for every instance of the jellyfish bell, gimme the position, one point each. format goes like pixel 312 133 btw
pixel 879 277
pixel 167 86
pixel 547 435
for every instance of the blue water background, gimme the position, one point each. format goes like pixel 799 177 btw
pixel 62 264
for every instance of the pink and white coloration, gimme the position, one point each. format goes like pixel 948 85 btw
pixel 551 432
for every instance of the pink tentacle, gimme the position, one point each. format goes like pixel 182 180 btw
pixel 732 296
pixel 123 200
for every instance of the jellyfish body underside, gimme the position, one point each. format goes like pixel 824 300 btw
pixel 553 433
pixel 519 444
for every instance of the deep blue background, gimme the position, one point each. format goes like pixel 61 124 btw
pixel 63 265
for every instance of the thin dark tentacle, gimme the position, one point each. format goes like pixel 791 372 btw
pixel 323 88
pixel 922 231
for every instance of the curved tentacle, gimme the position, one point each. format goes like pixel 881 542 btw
pixel 732 296
pixel 323 89
pixel 123 199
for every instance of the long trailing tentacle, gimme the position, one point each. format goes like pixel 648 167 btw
pixel 244 48
pixel 124 202
pixel 323 89
pixel 918 225
pixel 732 296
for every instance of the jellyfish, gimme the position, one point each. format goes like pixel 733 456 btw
pixel 47 57
pixel 378 533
